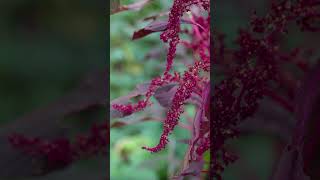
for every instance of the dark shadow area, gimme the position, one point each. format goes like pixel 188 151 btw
pixel 266 88
pixel 53 92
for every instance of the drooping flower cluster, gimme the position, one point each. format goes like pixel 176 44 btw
pixel 177 10
pixel 187 87
pixel 60 152
pixel 191 81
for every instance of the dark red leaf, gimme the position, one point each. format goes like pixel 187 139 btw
pixel 302 155
pixel 290 166
pixel 158 26
pixel 155 26
pixel 307 129
pixel 165 94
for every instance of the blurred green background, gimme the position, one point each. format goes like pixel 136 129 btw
pixel 46 48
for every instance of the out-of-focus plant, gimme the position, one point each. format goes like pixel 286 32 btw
pixel 258 69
